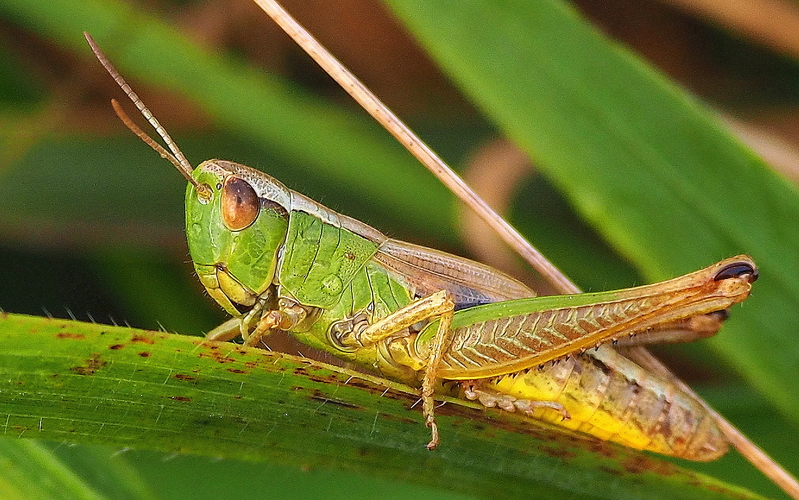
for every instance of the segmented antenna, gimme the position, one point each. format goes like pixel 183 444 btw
pixel 141 134
pixel 176 157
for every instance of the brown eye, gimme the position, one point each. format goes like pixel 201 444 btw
pixel 240 204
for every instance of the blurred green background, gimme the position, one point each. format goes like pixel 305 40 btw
pixel 91 219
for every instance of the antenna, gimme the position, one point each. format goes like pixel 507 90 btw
pixel 176 157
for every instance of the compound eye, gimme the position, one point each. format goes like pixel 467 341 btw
pixel 240 204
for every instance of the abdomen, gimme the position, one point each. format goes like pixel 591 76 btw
pixel 612 398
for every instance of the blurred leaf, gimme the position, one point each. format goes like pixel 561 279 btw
pixel 646 164
pixel 315 135
pixel 31 472
pixel 107 471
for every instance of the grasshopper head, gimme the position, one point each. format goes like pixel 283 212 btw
pixel 236 223
pixel 236 217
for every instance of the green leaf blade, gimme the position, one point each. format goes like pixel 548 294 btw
pixel 89 383
pixel 31 472
pixel 645 163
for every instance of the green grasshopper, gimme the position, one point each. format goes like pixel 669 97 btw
pixel 278 261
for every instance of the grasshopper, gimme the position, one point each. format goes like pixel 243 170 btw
pixel 279 261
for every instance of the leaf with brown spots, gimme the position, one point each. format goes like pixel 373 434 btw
pixel 302 407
